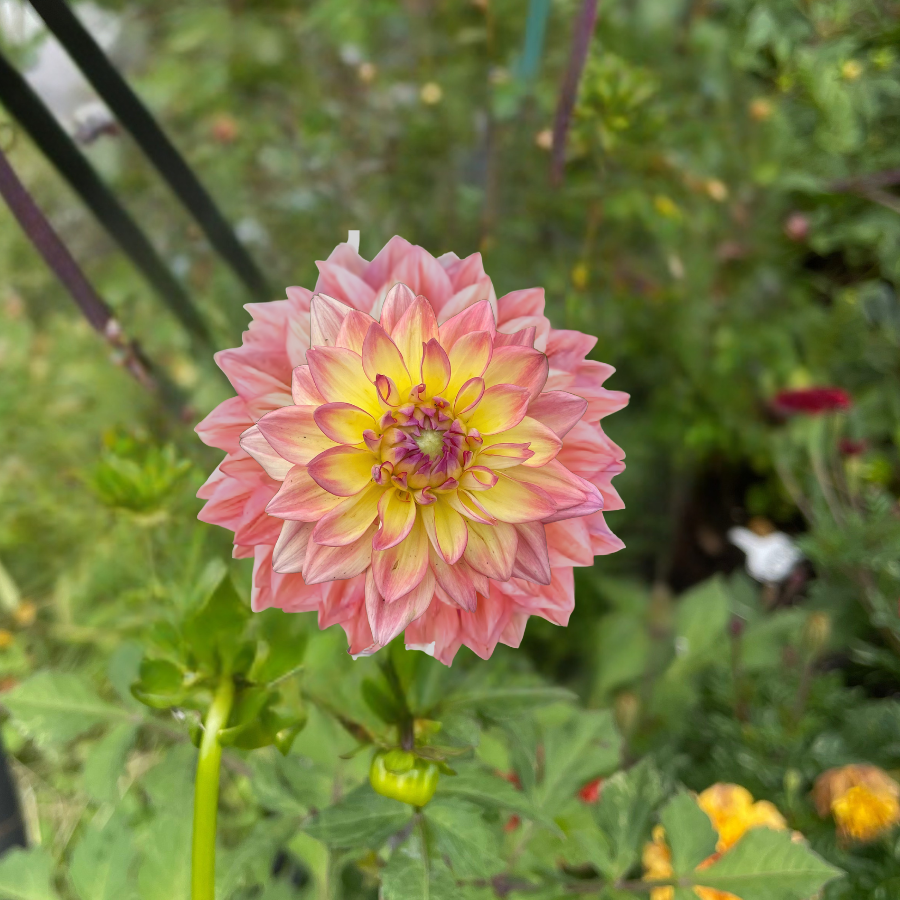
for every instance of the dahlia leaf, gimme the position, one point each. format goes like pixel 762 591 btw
pixel 768 865
pixel 408 876
pixel 624 813
pixel 106 763
pixel 101 863
pixel 689 832
pixel 54 708
pixel 362 818
pixel 462 836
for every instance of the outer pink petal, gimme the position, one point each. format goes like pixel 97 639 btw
pixel 398 300
pixel 336 563
pixel 388 619
pixel 423 274
pixel 491 549
pixel 353 331
pixel 303 388
pixel 223 427
pixel 521 366
pixel 327 314
pixel 516 501
pixel 479 317
pixel 558 410
pixel 532 559
pixel 569 543
pixel 293 434
pixel 301 499
pixel 290 548
pixel 455 580
pixel 342 284
pixel 254 443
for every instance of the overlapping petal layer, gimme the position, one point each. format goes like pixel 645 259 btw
pixel 409 452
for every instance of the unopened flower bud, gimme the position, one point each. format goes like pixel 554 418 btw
pixel 816 633
pixel 627 710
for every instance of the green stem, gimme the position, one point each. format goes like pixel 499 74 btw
pixel 206 793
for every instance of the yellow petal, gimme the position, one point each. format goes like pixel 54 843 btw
pixel 515 502
pixel 501 408
pixel 401 568
pixel 417 326
pixel 343 422
pixel 381 356
pixel 397 511
pixel 340 377
pixel 435 369
pixel 350 519
pixel 541 440
pixel 469 357
pixel 343 471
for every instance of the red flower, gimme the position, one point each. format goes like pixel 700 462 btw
pixel 590 793
pixel 811 401
pixel 512 823
pixel 849 447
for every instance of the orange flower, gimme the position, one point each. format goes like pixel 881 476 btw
pixel 732 811
pixel 864 800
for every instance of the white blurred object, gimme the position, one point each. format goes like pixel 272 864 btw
pixel 353 240
pixel 53 75
pixel 770 557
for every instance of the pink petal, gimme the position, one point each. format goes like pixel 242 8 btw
pixel 303 389
pixel 532 561
pixel 326 317
pixel 565 488
pixel 491 549
pixel 399 569
pixel 254 443
pixel 301 499
pixel 349 520
pixel 398 300
pixel 290 548
pixel 381 356
pixel 388 619
pixel 481 292
pixel 293 434
pixel 523 338
pixel 479 317
pixel 423 274
pixel 336 563
pixel 223 427
pixel 569 543
pixel 516 501
pixel 529 302
pixel 343 285
pixel 522 366
pixel 567 349
pixel 416 327
pixel 454 580
pixel 558 410
pixel 353 331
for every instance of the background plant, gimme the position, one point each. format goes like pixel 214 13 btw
pixel 727 226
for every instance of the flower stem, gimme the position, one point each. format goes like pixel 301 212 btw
pixel 206 793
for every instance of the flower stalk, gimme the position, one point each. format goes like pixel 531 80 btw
pixel 206 793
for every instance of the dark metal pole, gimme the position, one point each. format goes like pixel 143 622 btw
pixel 40 124
pixel 137 119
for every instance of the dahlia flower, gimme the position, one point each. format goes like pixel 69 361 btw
pixel 409 452
pixel 864 800
pixel 811 401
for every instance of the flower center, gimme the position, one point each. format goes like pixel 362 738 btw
pixel 430 443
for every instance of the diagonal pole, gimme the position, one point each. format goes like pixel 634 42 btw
pixel 55 253
pixel 28 109
pixel 137 119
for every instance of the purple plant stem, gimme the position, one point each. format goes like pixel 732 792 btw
pixel 55 253
pixel 581 44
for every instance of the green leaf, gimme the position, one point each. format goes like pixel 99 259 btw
pixel 100 864
pixel 768 865
pixel 214 631
pixel 361 818
pixel 490 791
pixel 381 702
pixel 623 645
pixel 53 708
pixel 409 876
pixel 689 832
pixel 106 762
pixel 701 617
pixel 160 684
pixel 624 813
pixel 289 785
pixel 502 703
pixel 27 875
pixel 586 747
pixel 462 836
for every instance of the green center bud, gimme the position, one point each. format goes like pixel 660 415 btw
pixel 430 443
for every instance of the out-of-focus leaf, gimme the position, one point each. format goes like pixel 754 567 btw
pixel 101 863
pixel 624 813
pixel 362 818
pixel 463 837
pixel 27 875
pixel 214 631
pixel 701 618
pixel 586 747
pixel 768 865
pixel 410 876
pixel 106 761
pixel 689 832
pixel 54 707
pixel 503 703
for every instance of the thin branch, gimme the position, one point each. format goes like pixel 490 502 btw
pixel 581 44
pixel 55 253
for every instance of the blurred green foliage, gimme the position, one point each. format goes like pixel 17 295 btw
pixel 727 226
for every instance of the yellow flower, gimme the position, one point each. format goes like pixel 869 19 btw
pixel 666 206
pixel 864 800
pixel 580 275
pixel 716 190
pixel 732 812
pixel 657 861
pixel 852 69
pixel 7 639
pixel 431 93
